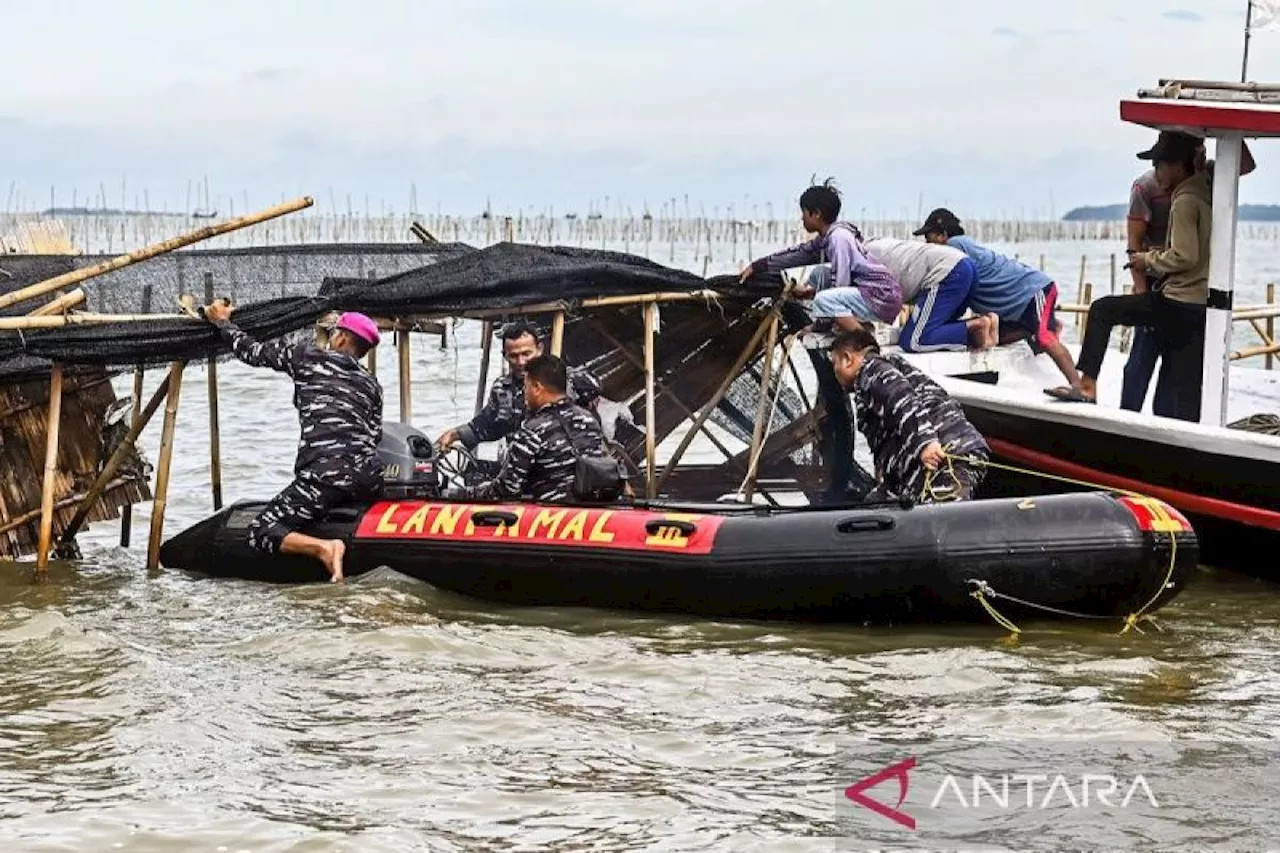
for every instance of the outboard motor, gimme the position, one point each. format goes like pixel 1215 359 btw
pixel 409 467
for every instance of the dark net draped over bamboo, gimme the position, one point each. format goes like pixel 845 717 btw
pixel 461 279
pixel 702 342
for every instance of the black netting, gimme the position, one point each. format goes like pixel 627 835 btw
pixel 454 278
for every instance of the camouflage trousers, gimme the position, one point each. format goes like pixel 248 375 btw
pixel 301 502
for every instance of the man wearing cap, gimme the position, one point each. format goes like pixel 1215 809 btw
pixel 1174 305
pixel 1148 227
pixel 340 408
pixel 1021 296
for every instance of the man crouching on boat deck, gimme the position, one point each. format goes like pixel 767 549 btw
pixel 340 407
pixel 919 436
pixel 544 451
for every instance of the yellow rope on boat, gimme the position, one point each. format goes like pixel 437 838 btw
pixel 1132 621
pixel 1000 619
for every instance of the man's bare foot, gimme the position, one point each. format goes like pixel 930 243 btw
pixel 993 330
pixel 977 328
pixel 334 551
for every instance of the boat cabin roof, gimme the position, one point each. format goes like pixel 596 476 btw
pixel 1207 108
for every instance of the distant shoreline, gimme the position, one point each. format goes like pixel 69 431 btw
pixel 1113 212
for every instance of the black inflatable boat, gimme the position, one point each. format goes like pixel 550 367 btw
pixel 1093 554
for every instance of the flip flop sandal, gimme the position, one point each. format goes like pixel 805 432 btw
pixel 1069 395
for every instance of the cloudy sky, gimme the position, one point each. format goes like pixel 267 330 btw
pixel 990 106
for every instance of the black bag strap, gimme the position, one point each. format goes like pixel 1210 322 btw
pixel 568 433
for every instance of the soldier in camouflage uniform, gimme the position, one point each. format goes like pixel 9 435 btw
pixel 910 422
pixel 505 409
pixel 544 451
pixel 340 407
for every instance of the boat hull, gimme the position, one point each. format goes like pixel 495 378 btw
pixel 1230 499
pixel 1225 480
pixel 1095 555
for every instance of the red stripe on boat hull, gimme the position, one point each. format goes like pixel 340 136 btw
pixel 1185 501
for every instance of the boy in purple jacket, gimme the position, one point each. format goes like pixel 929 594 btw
pixel 856 288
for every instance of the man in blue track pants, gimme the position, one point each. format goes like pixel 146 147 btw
pixel 937 281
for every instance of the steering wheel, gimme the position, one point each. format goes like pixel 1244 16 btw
pixel 455 461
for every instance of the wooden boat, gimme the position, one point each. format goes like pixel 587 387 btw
pixel 1225 479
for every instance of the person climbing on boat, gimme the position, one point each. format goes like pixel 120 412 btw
pixel 543 456
pixel 1148 228
pixel 923 445
pixel 505 408
pixel 936 281
pixel 339 406
pixel 1022 297
pixel 1175 305
pixel 848 288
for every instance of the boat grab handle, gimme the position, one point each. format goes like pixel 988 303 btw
pixel 494 518
pixel 857 525
pixel 655 526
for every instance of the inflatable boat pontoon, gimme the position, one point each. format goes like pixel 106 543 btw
pixel 1094 554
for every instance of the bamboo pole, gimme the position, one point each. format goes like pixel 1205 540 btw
pixel 1250 352
pixel 705 294
pixel 1084 318
pixel 215 434
pixel 50 470
pixel 1257 312
pixel 1261 331
pixel 85 273
pixel 486 347
pixel 710 405
pixel 1271 323
pixel 406 403
pixel 557 333
pixel 762 408
pixel 117 459
pixel 650 416
pixel 28 323
pixel 65 302
pixel 71 500
pixel 594 302
pixel 165 462
pixel 126 514
pixel 371 359
pixel 1084 260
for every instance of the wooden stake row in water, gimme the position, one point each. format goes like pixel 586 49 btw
pixel 659 237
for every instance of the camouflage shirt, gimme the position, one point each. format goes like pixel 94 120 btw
pixel 543 454
pixel 339 405
pixel 505 409
pixel 900 410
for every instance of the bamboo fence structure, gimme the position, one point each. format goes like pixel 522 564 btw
pixel 663 234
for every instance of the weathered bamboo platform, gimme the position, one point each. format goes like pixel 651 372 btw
pixel 86 397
